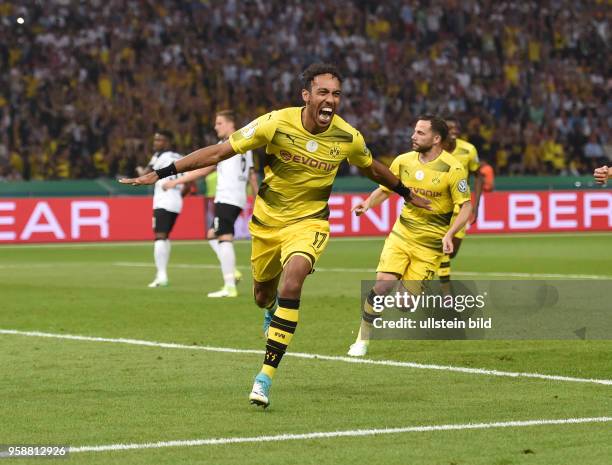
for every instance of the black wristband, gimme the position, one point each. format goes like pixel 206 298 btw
pixel 169 170
pixel 402 190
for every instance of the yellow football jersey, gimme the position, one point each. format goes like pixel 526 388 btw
pixel 302 166
pixel 444 182
pixel 468 156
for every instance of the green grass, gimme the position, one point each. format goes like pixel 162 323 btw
pixel 93 393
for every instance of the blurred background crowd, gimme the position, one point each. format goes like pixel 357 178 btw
pixel 84 84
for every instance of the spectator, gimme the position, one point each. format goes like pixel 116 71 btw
pixel 594 152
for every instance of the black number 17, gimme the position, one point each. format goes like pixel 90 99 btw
pixel 319 239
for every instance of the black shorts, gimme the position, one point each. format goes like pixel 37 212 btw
pixel 163 220
pixel 225 217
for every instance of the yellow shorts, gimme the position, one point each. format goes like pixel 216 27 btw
pixel 271 247
pixel 405 258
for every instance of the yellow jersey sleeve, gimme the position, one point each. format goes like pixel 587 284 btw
pixel 359 154
pixel 257 133
pixel 474 162
pixel 458 185
pixel 394 168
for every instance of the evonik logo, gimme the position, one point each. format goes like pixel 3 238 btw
pixel 308 161
pixel 426 192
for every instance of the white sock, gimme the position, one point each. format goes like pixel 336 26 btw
pixel 227 257
pixel 214 244
pixel 162 255
pixel 361 339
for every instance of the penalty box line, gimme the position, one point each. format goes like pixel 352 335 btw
pixel 337 434
pixel 331 358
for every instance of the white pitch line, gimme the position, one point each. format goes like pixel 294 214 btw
pixel 248 242
pixel 243 267
pixel 204 266
pixel 500 274
pixel 331 358
pixel 337 434
pixel 201 266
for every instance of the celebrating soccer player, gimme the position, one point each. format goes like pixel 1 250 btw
pixel 420 238
pixel 290 228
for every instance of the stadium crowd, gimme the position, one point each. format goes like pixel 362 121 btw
pixel 84 85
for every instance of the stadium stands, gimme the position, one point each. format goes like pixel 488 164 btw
pixel 88 84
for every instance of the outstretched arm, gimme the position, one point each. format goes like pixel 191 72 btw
pixel 379 173
pixel 377 197
pixel 201 158
pixel 462 217
pixel 188 177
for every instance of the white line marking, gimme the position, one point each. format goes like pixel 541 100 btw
pixel 331 358
pixel 247 241
pixel 204 266
pixel 337 434
pixel 499 274
pixel 32 265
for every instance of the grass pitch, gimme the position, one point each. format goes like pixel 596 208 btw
pixel 95 393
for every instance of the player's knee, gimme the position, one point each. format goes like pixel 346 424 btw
pixel 292 287
pixel 263 297
pixel 385 283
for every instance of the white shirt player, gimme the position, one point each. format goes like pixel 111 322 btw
pixel 232 178
pixel 171 199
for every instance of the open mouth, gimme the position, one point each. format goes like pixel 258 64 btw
pixel 325 114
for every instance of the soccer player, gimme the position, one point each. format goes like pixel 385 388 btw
pixel 167 203
pixel 602 174
pixel 420 238
pixel 290 228
pixel 468 156
pixel 230 199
